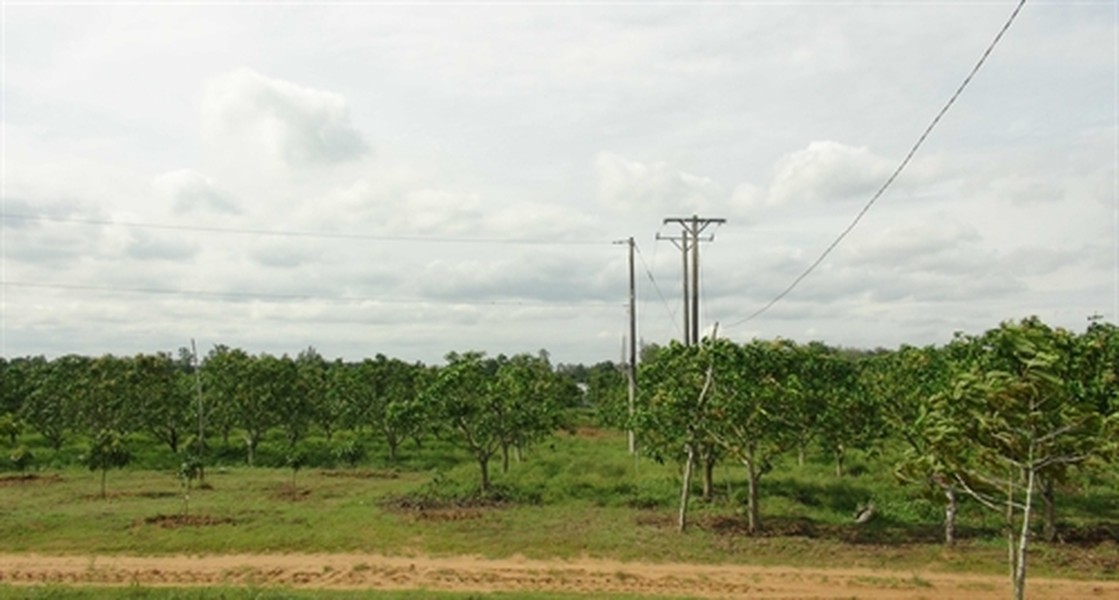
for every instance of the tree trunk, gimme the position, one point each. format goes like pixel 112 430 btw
pixel 484 465
pixel 1049 500
pixel 250 443
pixel 392 442
pixel 1024 539
pixel 950 511
pixel 753 513
pixel 708 456
pixel 838 460
pixel 104 473
pixel 800 455
pixel 685 490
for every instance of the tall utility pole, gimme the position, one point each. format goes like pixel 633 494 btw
pixel 691 229
pixel 198 393
pixel 201 443
pixel 631 370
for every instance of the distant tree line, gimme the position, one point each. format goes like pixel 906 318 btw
pixel 489 406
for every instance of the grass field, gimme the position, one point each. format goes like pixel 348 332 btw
pixel 578 495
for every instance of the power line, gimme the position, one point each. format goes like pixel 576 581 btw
pixel 894 175
pixel 300 234
pixel 295 297
pixel 653 280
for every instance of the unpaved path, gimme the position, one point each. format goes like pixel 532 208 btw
pixel 590 576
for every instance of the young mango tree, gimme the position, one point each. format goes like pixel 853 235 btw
pixel 1006 425
pixel 311 385
pixel 535 401
pixel 752 385
pixel 846 416
pixel 384 394
pixel 904 383
pixel 276 380
pixel 232 378
pixel 673 417
pixel 16 384
pixel 108 450
pixel 164 392
pixel 463 400
pixel 108 397
pixel 51 406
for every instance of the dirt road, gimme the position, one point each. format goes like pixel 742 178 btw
pixel 374 572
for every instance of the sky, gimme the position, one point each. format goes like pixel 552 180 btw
pixel 414 178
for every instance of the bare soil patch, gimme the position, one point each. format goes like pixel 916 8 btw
pixel 177 521
pixel 28 479
pixel 291 493
pixel 471 574
pixel 361 474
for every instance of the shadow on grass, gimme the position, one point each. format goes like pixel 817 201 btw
pixel 881 531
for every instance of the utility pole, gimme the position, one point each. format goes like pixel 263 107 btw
pixel 201 443
pixel 631 370
pixel 691 229
pixel 198 392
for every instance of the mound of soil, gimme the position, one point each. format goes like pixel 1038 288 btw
pixel 177 521
pixel 361 474
pixel 287 491
pixel 28 479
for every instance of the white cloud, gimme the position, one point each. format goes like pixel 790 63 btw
pixel 631 186
pixel 188 191
pixel 143 245
pixel 296 125
pixel 827 171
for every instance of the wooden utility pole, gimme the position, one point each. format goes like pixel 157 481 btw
pixel 631 368
pixel 198 393
pixel 201 442
pixel 688 242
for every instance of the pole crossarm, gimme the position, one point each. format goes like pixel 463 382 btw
pixel 691 234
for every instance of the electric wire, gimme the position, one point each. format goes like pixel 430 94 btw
pixel 299 234
pixel 274 296
pixel 653 280
pixel 893 176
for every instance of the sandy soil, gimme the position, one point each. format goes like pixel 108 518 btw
pixel 358 571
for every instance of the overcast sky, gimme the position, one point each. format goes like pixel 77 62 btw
pixel 451 176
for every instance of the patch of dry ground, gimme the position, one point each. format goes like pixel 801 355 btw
pixel 469 574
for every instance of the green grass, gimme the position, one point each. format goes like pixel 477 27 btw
pixel 573 496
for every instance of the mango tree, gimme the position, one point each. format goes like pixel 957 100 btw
pixel 311 385
pixel 904 383
pixel 534 400
pixel 107 398
pixel 753 383
pixel 16 384
pixel 846 416
pixel 108 450
pixel 673 416
pixel 464 401
pixel 164 393
pixel 235 388
pixel 383 394
pixel 51 406
pixel 1011 421
pixel 276 381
